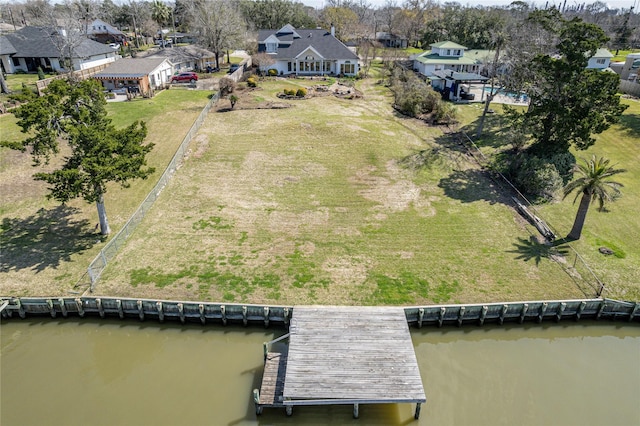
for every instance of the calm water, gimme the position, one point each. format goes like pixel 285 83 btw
pixel 97 372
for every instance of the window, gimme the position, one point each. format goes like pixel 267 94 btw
pixel 347 68
pixel 448 52
pixel 456 52
pixel 16 62
pixel 600 61
pixel 272 47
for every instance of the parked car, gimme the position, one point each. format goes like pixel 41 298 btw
pixel 233 68
pixel 191 77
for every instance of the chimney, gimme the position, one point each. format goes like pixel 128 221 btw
pixel 333 30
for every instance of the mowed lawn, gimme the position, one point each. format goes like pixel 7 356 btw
pixel 47 247
pixel 618 227
pixel 315 204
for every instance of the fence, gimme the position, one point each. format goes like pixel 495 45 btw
pixel 577 268
pixel 239 73
pixel 630 88
pixel 113 246
pixel 216 313
pixel 80 75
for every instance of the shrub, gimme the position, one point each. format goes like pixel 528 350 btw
pixel 539 178
pixel 301 93
pixel 41 75
pixel 272 72
pixel 226 86
pixel 252 82
pixel 289 92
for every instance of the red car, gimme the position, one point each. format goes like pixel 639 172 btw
pixel 191 77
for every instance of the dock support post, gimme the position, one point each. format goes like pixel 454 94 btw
pixel 244 316
pixel 420 317
pixel 543 309
pixel 417 415
pixel 503 312
pixel 223 312
pixel 120 309
pixel 160 311
pixel 140 310
pixel 483 314
pixel 583 305
pixel 203 320
pixel 356 411
pixel 266 317
pixel 256 400
pixel 561 309
pixel 523 313
pixel 52 308
pixel 21 312
pixel 289 410
pixel 461 315
pixel 181 312
pixel 286 316
pixel 80 308
pixel 63 307
pixel 601 309
pixel 633 312
pixel 100 308
pixel 443 310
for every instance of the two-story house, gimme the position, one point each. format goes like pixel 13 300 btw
pixel 307 52
pixel 445 56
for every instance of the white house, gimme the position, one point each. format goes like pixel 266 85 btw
pixel 600 60
pixel 307 52
pixel 33 47
pixel 103 32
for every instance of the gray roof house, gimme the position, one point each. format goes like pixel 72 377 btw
pixel 306 52
pixel 139 75
pixel 33 47
pixel 185 58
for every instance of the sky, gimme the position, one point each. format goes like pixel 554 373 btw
pixel 613 4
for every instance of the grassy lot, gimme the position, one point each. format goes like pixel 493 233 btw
pixel 319 203
pixel 331 201
pixel 617 228
pixel 622 55
pixel 47 247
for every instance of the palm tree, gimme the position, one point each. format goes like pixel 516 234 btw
pixel 594 185
pixel 160 13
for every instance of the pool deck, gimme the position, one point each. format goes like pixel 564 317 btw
pixel 343 355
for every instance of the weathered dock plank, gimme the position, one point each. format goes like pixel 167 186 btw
pixel 272 386
pixel 351 355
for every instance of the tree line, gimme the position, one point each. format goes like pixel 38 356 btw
pixel 420 22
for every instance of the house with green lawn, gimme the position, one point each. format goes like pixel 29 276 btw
pixel 307 52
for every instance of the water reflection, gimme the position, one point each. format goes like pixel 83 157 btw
pixel 69 372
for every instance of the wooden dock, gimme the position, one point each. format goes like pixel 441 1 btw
pixel 344 355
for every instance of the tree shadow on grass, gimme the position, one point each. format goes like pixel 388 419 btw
pixel 531 249
pixel 473 185
pixel 44 239
pixel 631 124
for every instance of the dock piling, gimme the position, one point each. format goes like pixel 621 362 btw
pixel 100 307
pixel 140 310
pixel 203 320
pixel 181 312
pixel 63 307
pixel 160 311
pixel 80 308
pixel 523 312
pixel 52 308
pixel 120 310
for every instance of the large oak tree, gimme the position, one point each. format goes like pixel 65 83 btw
pixel 568 102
